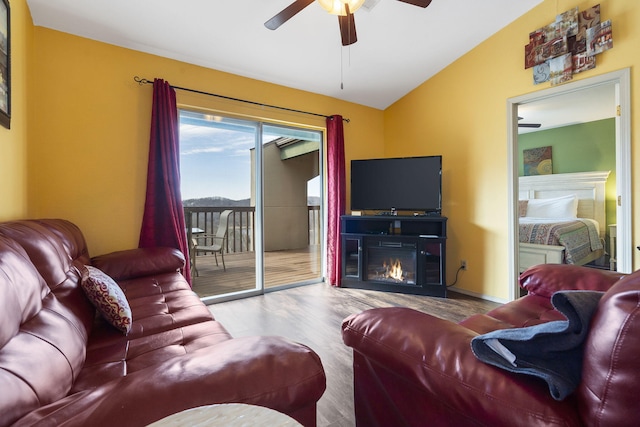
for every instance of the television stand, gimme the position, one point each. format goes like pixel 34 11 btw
pixel 427 214
pixel 403 254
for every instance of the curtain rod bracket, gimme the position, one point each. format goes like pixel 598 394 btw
pixel 142 81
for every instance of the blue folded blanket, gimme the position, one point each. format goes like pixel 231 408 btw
pixel 551 351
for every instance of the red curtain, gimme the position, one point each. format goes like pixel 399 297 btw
pixel 163 219
pixel 336 189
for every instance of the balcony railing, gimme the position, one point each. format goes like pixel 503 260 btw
pixel 241 225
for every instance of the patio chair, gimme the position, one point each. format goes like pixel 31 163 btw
pixel 212 243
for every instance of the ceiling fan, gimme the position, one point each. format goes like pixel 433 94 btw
pixel 528 125
pixel 343 8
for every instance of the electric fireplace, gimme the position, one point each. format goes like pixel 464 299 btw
pixel 394 254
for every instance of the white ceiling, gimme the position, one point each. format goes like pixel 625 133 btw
pixel 399 45
pixel 586 105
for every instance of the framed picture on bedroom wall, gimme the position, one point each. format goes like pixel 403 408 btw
pixel 537 161
pixel 5 64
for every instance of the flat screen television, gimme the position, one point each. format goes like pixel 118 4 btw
pixel 397 184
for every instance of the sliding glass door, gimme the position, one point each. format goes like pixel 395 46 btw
pixel 265 181
pixel 216 176
pixel 291 183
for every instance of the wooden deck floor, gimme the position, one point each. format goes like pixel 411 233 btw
pixel 281 268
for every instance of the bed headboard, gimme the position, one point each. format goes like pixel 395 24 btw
pixel 589 188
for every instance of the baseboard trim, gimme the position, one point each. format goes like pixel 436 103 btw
pixel 477 295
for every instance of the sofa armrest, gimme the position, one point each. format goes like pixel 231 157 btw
pixel 423 361
pixel 546 279
pixel 132 263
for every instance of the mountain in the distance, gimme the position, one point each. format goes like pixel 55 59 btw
pixel 214 202
pixel 313 201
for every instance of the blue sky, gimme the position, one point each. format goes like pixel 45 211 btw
pixel 215 156
pixel 215 162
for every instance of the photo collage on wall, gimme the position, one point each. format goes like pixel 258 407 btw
pixel 567 46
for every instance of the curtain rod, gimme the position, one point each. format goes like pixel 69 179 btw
pixel 143 81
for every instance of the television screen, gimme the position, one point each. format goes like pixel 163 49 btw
pixel 408 183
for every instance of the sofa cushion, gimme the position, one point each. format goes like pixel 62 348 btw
pixel 546 279
pixel 141 262
pixel 19 302
pixel 56 248
pixel 168 320
pixel 158 303
pixel 266 371
pixel 551 351
pixel 52 245
pixel 108 298
pixel 41 349
pixel 608 394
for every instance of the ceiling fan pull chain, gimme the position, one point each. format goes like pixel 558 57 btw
pixel 341 68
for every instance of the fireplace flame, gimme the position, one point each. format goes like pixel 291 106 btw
pixel 394 270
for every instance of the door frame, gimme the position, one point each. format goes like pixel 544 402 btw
pixel 622 82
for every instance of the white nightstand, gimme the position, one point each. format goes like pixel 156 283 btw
pixel 612 246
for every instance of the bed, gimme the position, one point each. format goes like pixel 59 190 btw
pixel 562 218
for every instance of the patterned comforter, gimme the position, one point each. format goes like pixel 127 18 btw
pixel 578 236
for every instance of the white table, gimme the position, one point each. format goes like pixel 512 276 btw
pixel 228 415
pixel 194 231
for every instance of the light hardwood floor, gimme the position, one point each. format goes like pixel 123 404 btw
pixel 313 314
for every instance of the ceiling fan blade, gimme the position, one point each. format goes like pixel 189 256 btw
pixel 529 125
pixel 347 29
pixel 287 13
pixel 419 3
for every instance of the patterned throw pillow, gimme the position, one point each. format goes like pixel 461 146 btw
pixel 522 207
pixel 108 298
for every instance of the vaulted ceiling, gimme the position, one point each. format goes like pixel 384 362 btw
pixel 399 45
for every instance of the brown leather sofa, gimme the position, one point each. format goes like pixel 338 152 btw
pixel 413 369
pixel 62 364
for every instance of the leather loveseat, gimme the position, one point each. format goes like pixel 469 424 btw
pixel 61 363
pixel 413 369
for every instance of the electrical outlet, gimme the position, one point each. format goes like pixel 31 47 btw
pixel 463 264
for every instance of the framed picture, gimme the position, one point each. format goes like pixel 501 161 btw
pixel 5 65
pixel 537 161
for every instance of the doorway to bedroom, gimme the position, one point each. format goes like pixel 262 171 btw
pixel 573 154
pixel 602 144
pixel 253 204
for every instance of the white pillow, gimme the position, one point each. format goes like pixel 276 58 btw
pixel 557 207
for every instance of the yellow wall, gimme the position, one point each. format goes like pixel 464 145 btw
pixel 88 152
pixel 79 139
pixel 461 113
pixel 13 142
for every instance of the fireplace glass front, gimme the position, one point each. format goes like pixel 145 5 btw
pixel 391 262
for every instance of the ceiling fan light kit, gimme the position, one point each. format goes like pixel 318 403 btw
pixel 339 7
pixel 343 8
